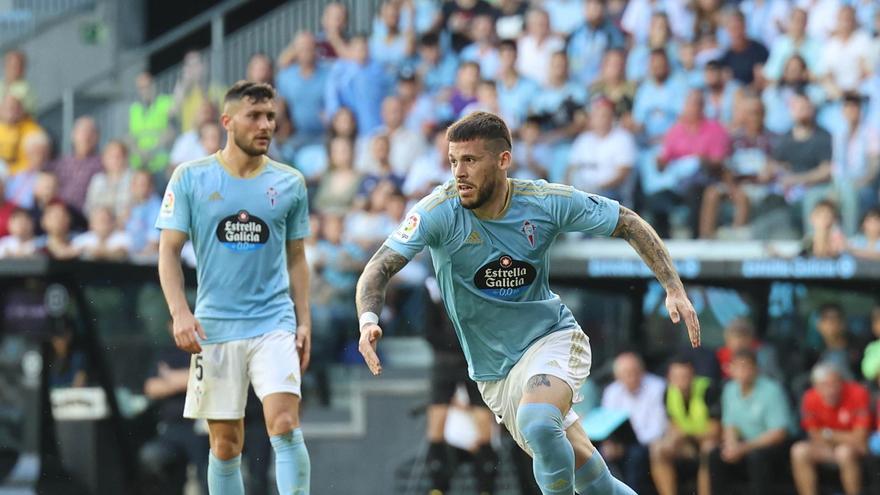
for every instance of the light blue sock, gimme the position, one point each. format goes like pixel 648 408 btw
pixel 594 478
pixel 292 465
pixel 224 477
pixel 553 463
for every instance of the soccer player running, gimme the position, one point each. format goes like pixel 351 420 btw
pixel 489 238
pixel 247 217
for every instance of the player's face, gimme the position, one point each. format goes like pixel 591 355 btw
pixel 251 124
pixel 477 171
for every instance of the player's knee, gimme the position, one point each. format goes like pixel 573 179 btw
pixel 225 447
pixel 282 423
pixel 540 425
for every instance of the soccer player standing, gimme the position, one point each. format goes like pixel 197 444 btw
pixel 247 217
pixel 489 238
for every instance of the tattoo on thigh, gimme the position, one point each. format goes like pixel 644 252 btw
pixel 538 381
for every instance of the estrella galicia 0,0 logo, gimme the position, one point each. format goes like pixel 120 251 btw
pixel 243 232
pixel 505 277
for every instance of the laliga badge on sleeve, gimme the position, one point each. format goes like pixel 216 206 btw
pixel 408 227
pixel 167 209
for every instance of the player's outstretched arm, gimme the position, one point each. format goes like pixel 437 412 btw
pixel 644 239
pixel 370 299
pixel 186 327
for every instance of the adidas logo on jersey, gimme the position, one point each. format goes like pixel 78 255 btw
pixel 474 238
pixel 215 196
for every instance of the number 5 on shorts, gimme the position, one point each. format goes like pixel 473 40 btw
pixel 200 370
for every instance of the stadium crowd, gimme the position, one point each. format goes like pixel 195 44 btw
pixel 752 119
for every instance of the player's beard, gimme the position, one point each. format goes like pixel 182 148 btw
pixel 250 148
pixel 483 195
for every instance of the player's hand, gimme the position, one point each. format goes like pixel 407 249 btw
pixel 679 307
pixel 304 346
pixel 187 332
pixel 370 336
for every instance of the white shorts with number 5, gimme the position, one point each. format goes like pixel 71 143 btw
pixel 220 374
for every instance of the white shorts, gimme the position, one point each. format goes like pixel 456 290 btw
pixel 564 354
pixel 219 376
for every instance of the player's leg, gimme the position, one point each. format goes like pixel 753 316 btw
pixel 273 366
pixel 591 475
pixel 224 461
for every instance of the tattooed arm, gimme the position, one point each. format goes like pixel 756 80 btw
pixel 370 298
pixel 644 239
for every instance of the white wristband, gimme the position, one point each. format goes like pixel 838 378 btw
pixel 368 317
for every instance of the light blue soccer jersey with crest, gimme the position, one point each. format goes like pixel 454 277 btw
pixel 493 274
pixel 239 228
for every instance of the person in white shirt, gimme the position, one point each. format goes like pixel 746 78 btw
pixel 823 16
pixel 640 395
pixel 601 159
pixel 188 145
pixel 537 46
pixel 102 241
pixel 406 145
pixel 846 58
pixel 636 19
pixel 430 170
pixel 21 241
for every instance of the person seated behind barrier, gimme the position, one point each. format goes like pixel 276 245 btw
pixel 21 241
pixel 163 460
pixel 693 409
pixel 67 363
pixel 866 245
pixel 102 241
pixel 757 423
pixel 56 243
pixel 871 371
pixel 640 395
pixel 141 215
pixel 739 335
pixel 826 239
pixel 836 415
pixel 448 371
pixel 838 344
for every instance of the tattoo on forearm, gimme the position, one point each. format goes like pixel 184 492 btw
pixel 371 286
pixel 644 239
pixel 537 381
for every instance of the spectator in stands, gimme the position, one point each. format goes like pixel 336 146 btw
pixel 380 155
pixel 21 241
pixel 636 18
pixel 360 84
pixel 102 241
pixel 803 158
pixel 823 17
pixel 333 37
pixel 430 170
pixel 20 187
pixel 511 19
pixel 846 57
pixel 193 89
pixel 483 49
pixel 778 98
pixel 56 222
pixel 112 187
pixel 75 171
pixel 694 431
pixel 15 127
pixel 187 146
pixel 719 93
pixel 419 109
pixel 838 345
pixel 67 363
pixel 757 422
pixel 825 238
pixel 745 57
pixel 467 80
pixel 456 17
pixel 613 86
pixel 588 43
pixel 406 144
pixel 260 69
pixel 658 100
pixel 640 395
pixel 6 209
pixel 739 335
pixel 601 160
pixel 149 126
pixel 515 92
pixel 487 101
pixel 565 15
pixel 836 415
pixel 302 80
pixel 866 245
pixel 659 38
pixel 435 68
pixel 871 361
pixel 687 60
pixel 794 42
pixel 339 186
pixel 559 99
pixel 709 19
pixel 284 144
pixel 14 82
pixel 531 156
pixel 369 226
pixel 745 174
pixel 765 19
pixel 395 41
pixel 537 46
pixel 855 163
pixel 141 216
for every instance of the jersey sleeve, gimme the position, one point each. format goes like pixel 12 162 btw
pixel 174 213
pixel 587 213
pixel 417 230
pixel 298 216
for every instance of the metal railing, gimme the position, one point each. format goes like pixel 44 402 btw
pixel 21 18
pixel 227 56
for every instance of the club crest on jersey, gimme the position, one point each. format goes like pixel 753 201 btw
pixel 272 194
pixel 243 232
pixel 528 229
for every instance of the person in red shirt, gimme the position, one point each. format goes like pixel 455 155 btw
pixel 6 209
pixel 836 415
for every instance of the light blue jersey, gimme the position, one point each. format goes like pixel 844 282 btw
pixel 493 274
pixel 239 228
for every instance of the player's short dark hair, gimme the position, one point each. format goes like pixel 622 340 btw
pixel 258 92
pixel 747 354
pixel 481 125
